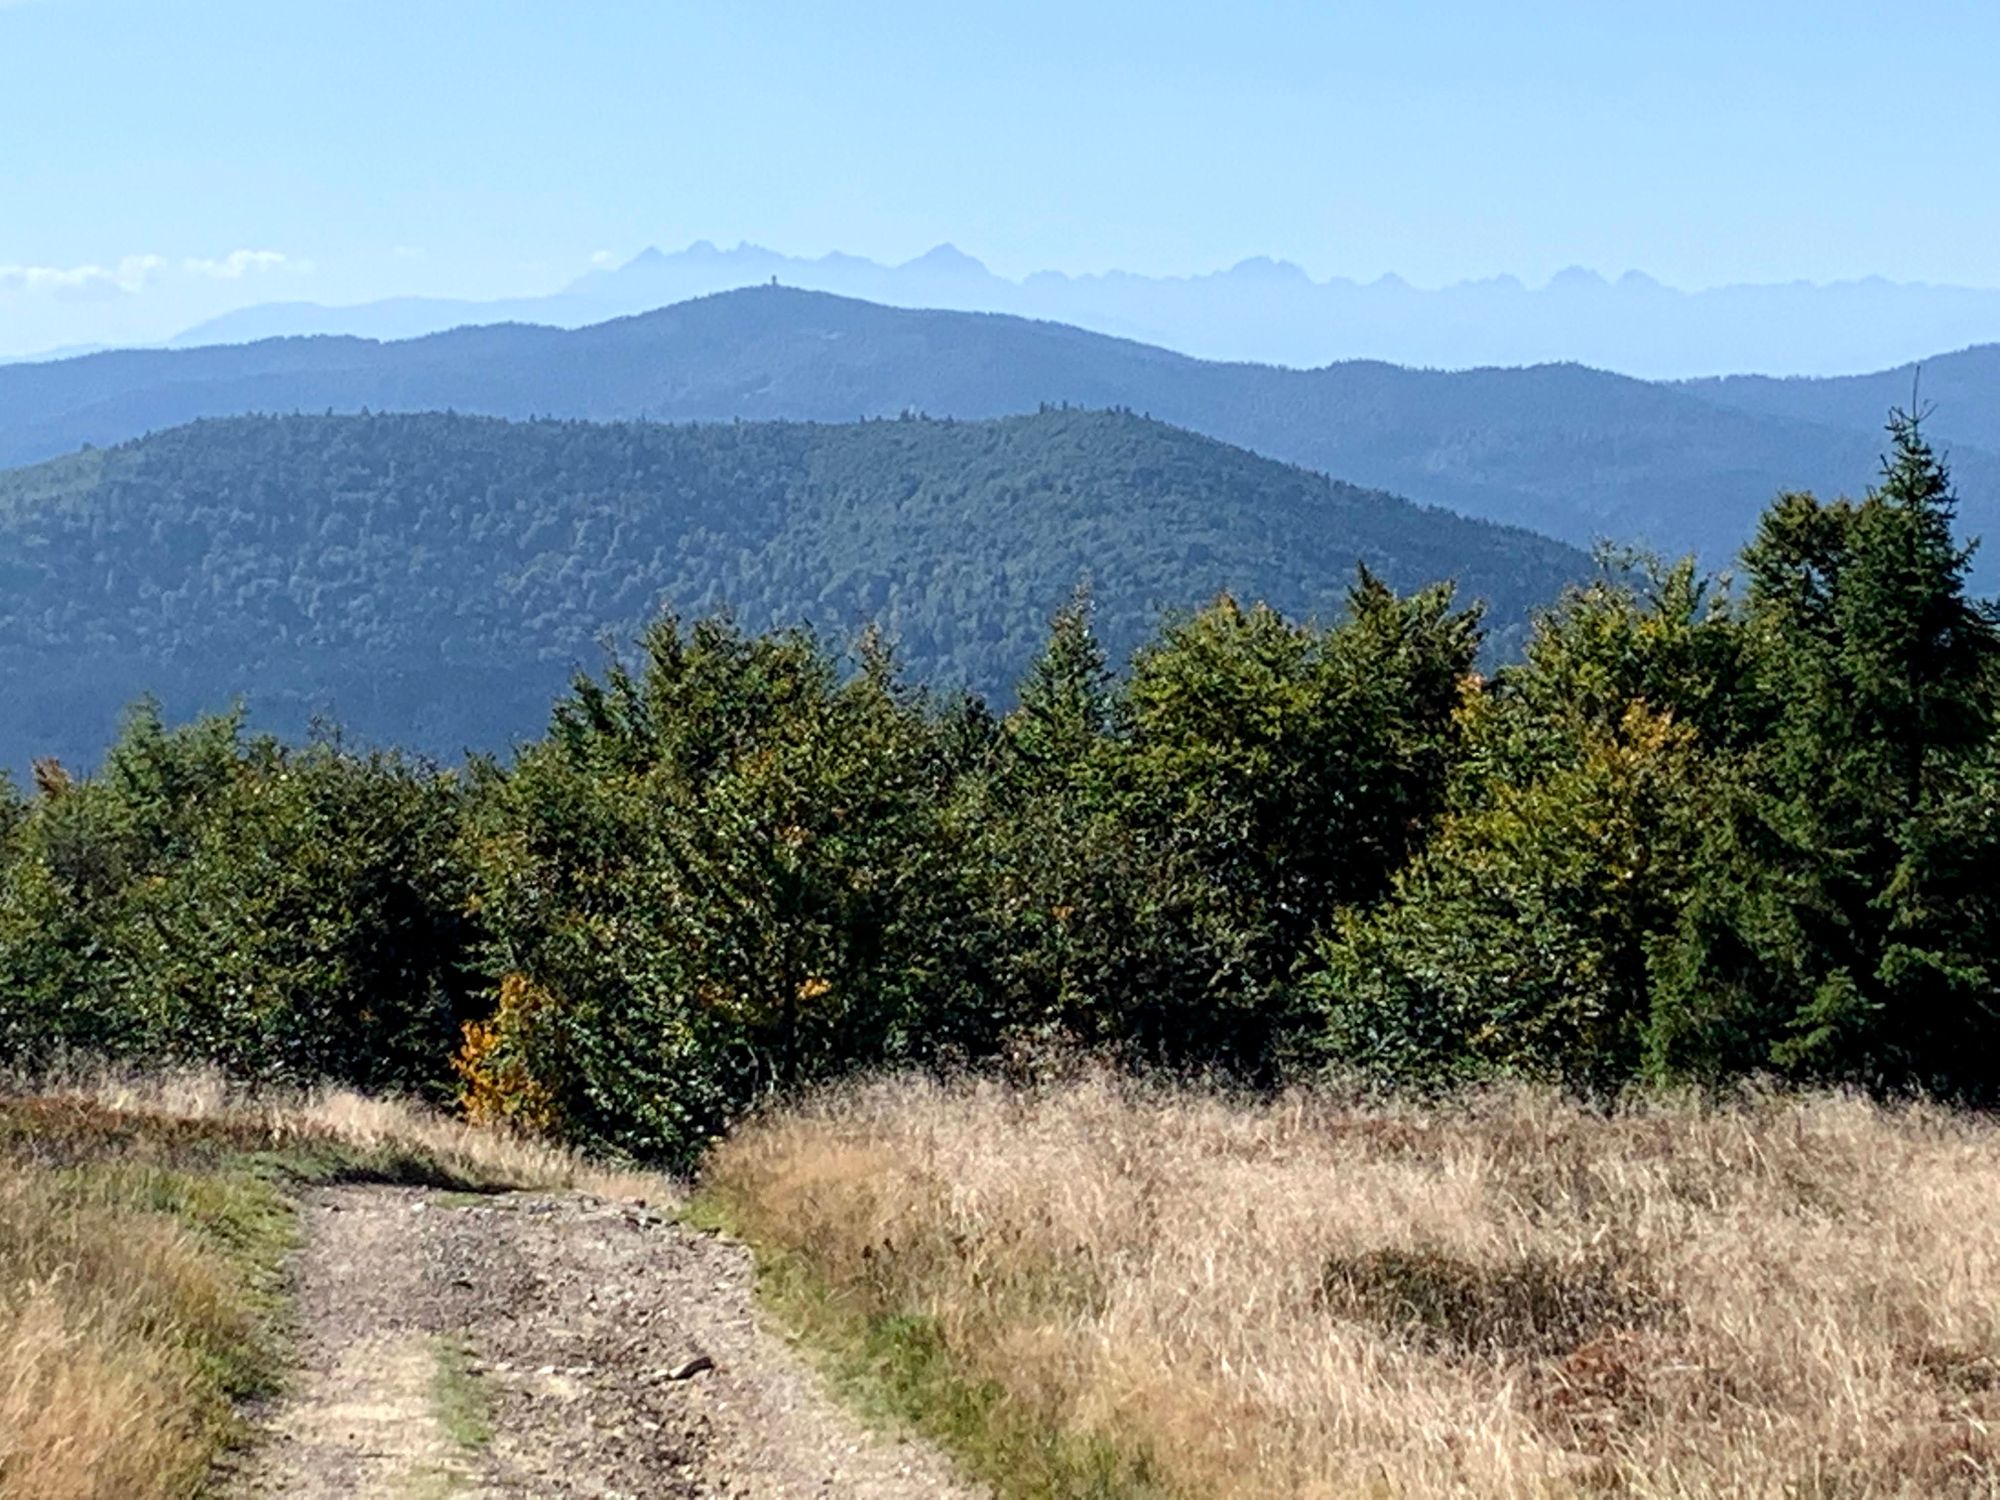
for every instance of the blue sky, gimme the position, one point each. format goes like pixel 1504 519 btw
pixel 161 160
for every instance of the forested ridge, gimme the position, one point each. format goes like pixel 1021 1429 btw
pixel 1695 835
pixel 432 578
pixel 1964 383
pixel 1574 453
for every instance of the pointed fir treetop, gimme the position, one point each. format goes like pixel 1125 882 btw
pixel 1065 698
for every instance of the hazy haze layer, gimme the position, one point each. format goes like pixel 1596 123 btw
pixel 1268 311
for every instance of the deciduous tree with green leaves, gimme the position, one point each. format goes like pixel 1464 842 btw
pixel 729 870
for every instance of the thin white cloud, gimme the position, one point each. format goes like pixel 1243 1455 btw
pixel 603 259
pixel 240 263
pixel 129 274
pixel 135 273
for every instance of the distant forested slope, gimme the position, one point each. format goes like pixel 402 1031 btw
pixel 433 578
pixel 1960 390
pixel 1572 452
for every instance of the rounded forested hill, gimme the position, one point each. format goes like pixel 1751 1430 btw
pixel 432 578
pixel 1573 453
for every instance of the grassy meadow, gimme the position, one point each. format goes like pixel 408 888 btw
pixel 1097 1288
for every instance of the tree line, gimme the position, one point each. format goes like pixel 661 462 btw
pixel 1700 831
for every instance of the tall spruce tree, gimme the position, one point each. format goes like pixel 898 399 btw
pixel 1065 697
pixel 1844 925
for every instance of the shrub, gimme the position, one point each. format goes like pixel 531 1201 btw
pixel 288 913
pixel 730 871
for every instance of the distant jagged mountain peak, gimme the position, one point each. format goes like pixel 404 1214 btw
pixel 946 259
pixel 1578 279
pixel 700 253
pixel 1271 311
pixel 1262 268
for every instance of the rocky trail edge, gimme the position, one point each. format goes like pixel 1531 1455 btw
pixel 549 1344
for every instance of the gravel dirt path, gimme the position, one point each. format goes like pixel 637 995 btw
pixel 558 1323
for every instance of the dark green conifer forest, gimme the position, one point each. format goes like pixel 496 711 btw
pixel 1696 833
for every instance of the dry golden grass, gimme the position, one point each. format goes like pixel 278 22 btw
pixel 1508 1296
pixel 142 1223
pixel 359 1123
pixel 103 1320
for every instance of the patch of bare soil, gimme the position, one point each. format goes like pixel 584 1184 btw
pixel 573 1323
